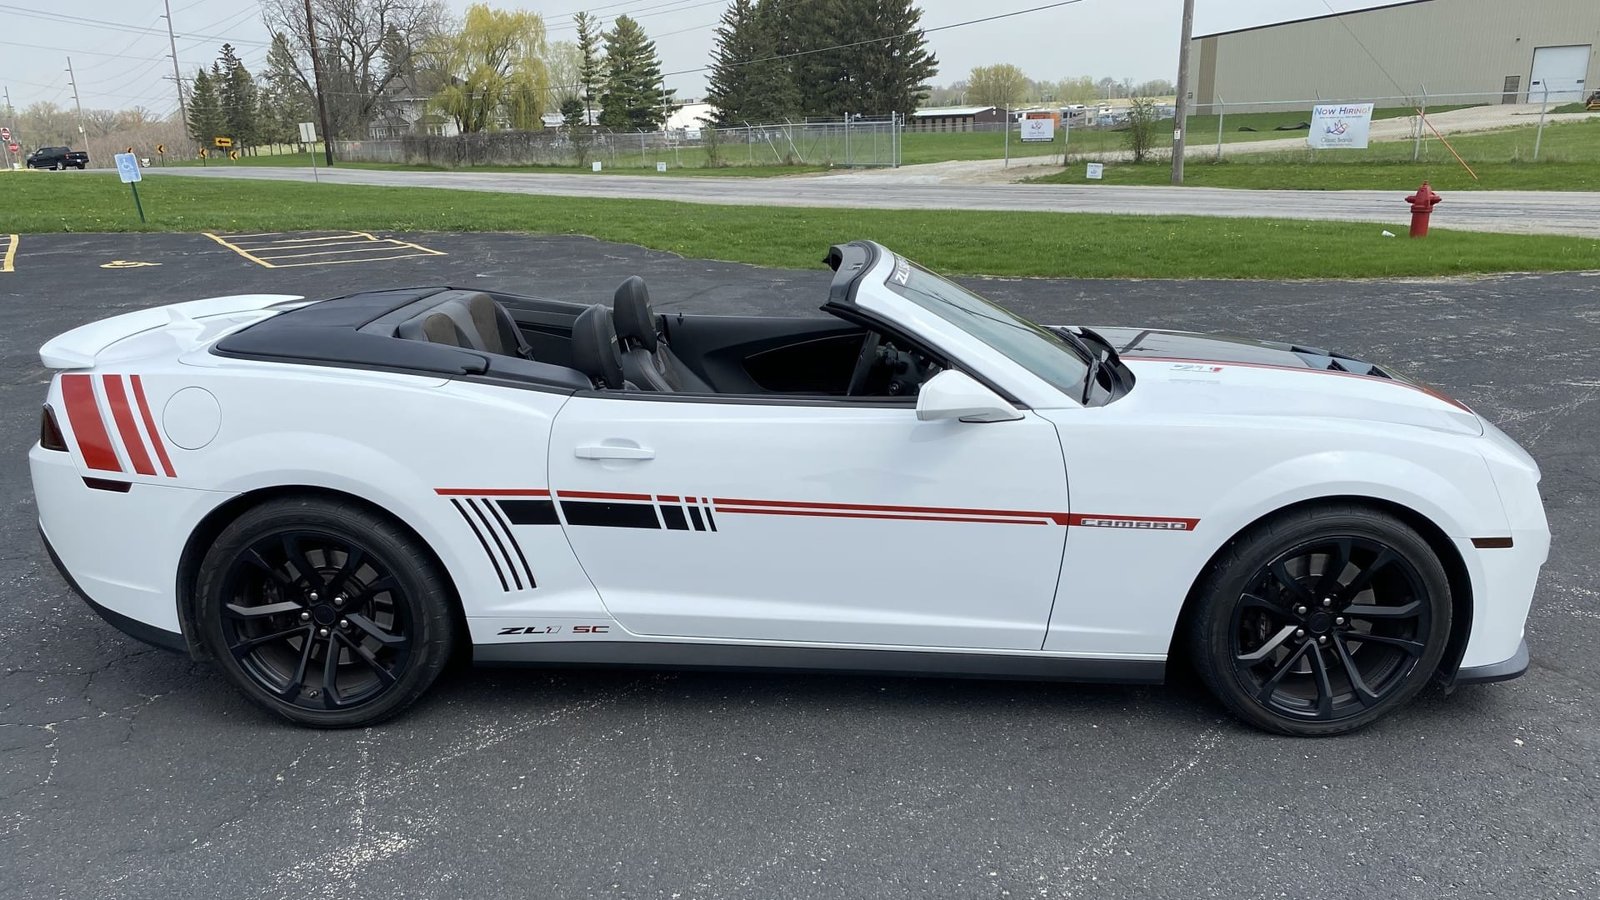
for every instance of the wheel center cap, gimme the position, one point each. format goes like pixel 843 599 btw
pixel 1319 623
pixel 324 614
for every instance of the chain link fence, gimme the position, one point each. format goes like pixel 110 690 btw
pixel 855 142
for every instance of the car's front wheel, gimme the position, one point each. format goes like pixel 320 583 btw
pixel 1322 620
pixel 324 612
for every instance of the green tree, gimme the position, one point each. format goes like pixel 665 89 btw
pixel 236 92
pixel 591 68
pixel 866 57
pixel 286 101
pixel 634 97
pixel 1000 85
pixel 206 119
pixel 494 70
pixel 732 60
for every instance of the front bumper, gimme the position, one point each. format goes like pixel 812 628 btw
pixel 1500 671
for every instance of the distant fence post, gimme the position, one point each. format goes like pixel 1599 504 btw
pixel 1222 113
pixel 1422 122
pixel 1538 138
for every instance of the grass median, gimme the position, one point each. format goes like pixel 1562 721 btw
pixel 978 243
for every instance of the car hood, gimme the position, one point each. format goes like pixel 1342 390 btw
pixel 1220 374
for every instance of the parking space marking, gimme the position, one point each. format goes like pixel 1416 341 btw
pixel 8 261
pixel 271 249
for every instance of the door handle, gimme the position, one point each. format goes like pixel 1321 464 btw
pixel 613 451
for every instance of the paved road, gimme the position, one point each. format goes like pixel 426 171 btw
pixel 1515 212
pixel 130 773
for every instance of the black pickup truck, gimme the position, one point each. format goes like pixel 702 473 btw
pixel 57 158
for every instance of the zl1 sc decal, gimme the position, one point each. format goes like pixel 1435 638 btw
pixel 553 629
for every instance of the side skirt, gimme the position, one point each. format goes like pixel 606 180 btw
pixel 744 657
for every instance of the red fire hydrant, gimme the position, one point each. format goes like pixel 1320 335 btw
pixel 1422 204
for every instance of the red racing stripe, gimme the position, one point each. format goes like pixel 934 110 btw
pixel 724 510
pixel 1058 518
pixel 122 414
pixel 603 495
pixel 88 426
pixel 150 425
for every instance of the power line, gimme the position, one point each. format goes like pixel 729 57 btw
pixel 115 26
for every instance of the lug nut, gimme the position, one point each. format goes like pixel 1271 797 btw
pixel 1339 620
pixel 1327 601
pixel 339 600
pixel 322 632
pixel 1299 632
pixel 305 617
pixel 1323 639
pixel 344 623
pixel 1299 610
pixel 313 596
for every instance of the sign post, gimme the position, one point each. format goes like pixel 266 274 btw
pixel 308 136
pixel 128 171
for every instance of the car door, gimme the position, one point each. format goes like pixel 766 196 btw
pixel 812 521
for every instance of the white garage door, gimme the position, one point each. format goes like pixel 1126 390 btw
pixel 1562 70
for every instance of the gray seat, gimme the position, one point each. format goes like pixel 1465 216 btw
pixel 477 323
pixel 647 361
pixel 594 348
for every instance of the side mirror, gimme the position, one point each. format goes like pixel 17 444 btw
pixel 956 395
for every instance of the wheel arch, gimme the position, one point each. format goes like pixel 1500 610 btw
pixel 1449 555
pixel 214 522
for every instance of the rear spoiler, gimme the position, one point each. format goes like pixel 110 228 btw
pixel 77 349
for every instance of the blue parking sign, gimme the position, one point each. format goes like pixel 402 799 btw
pixel 128 168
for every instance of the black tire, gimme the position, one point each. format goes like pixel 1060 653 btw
pixel 293 580
pixel 1321 620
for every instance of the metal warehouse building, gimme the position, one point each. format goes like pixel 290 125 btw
pixel 1510 49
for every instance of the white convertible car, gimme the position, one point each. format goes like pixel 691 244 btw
pixel 330 498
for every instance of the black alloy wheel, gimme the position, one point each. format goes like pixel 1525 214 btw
pixel 324 612
pixel 1324 621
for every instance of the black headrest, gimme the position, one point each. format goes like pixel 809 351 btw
pixel 594 347
pixel 635 320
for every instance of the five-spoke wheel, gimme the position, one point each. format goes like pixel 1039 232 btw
pixel 324 612
pixel 1323 620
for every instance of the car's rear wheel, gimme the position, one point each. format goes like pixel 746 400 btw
pixel 324 612
pixel 1323 620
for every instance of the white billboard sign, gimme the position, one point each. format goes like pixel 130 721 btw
pixel 1038 127
pixel 1340 126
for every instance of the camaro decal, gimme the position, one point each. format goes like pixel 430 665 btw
pixel 674 512
pixel 95 441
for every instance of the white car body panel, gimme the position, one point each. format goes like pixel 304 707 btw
pixel 1074 532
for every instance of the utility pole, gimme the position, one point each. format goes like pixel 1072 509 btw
pixel 73 81
pixel 1181 121
pixel 316 75
pixel 177 76
pixel 11 115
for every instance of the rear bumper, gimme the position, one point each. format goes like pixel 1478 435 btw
pixel 159 637
pixel 1500 671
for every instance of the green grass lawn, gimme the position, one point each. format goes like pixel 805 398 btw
pixel 1569 160
pixel 984 243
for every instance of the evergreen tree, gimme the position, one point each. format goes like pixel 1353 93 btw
pixel 732 59
pixel 590 66
pixel 205 109
pixel 774 91
pixel 236 92
pixel 286 99
pixel 896 72
pixel 633 97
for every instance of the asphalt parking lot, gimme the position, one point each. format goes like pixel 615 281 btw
pixel 130 772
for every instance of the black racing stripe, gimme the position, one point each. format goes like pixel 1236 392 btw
pixel 710 522
pixel 515 578
pixel 609 515
pixel 482 543
pixel 530 512
pixel 494 508
pixel 694 516
pixel 674 517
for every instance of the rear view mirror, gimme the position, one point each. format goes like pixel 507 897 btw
pixel 956 395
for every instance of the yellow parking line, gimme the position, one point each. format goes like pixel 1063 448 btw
pixel 8 262
pixel 385 247
pixel 275 248
pixel 339 262
pixel 239 250
pixel 312 236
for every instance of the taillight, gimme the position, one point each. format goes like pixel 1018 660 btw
pixel 50 436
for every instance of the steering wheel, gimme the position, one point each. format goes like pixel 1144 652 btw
pixel 864 363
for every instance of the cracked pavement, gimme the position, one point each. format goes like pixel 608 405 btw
pixel 130 772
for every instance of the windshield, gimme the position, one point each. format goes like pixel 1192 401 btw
pixel 1040 351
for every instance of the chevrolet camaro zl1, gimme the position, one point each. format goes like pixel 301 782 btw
pixel 330 498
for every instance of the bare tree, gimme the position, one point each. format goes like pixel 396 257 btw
pixel 365 46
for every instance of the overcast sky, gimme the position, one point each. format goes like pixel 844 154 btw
pixel 122 68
